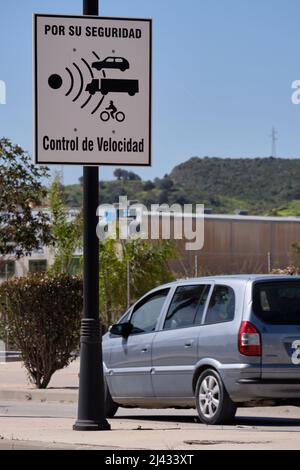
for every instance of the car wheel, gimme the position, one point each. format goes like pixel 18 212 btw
pixel 213 403
pixel 110 406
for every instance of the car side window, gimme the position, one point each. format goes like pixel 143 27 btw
pixel 125 317
pixel 186 304
pixel 145 314
pixel 221 305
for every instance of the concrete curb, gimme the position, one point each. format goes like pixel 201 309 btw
pixel 61 396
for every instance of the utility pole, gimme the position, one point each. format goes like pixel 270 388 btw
pixel 274 142
pixel 128 284
pixel 91 401
pixel 196 265
pixel 6 302
pixel 269 262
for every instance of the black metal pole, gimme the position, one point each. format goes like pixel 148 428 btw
pixel 91 408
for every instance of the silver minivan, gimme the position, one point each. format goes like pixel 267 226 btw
pixel 214 343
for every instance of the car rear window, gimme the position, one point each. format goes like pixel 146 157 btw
pixel 277 302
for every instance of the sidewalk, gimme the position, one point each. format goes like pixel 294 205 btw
pixel 14 384
pixel 43 419
pixel 142 434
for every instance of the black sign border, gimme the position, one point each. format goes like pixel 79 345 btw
pixel 86 163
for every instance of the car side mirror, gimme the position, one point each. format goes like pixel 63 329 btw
pixel 121 329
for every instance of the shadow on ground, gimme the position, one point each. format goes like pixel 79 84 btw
pixel 263 421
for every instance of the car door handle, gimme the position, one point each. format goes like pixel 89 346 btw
pixel 144 350
pixel 188 345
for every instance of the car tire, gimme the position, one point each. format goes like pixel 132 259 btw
pixel 110 406
pixel 213 403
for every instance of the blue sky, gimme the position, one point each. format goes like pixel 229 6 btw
pixel 222 74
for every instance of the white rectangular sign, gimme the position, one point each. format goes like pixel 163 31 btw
pixel 92 90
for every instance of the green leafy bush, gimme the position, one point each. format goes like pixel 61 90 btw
pixel 3 333
pixel 44 315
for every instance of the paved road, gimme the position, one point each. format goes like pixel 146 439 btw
pixel 280 419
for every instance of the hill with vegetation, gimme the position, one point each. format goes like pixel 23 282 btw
pixel 261 186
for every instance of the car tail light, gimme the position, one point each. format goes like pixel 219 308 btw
pixel 249 340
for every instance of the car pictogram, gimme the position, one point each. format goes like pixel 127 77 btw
pixel 111 63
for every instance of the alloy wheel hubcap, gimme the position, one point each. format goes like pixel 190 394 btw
pixel 209 396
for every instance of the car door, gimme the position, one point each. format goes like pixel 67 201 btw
pixel 129 362
pixel 276 306
pixel 174 350
pixel 220 326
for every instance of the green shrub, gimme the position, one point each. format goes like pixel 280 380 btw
pixel 44 315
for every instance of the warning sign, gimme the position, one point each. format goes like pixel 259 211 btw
pixel 92 90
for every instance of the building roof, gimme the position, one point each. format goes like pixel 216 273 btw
pixel 229 217
pixel 252 218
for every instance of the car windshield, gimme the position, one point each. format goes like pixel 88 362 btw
pixel 277 302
